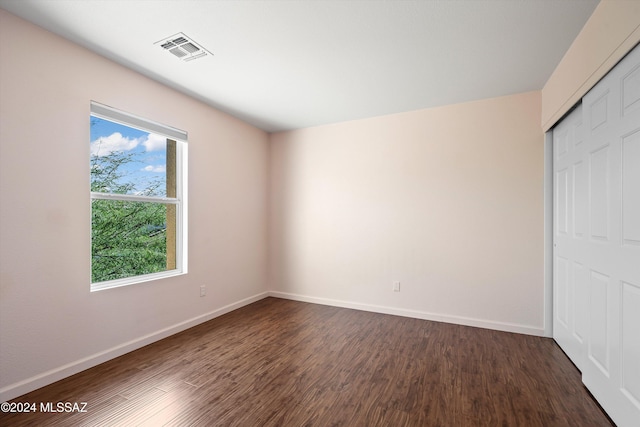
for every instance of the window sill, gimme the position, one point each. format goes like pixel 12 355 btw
pixel 118 283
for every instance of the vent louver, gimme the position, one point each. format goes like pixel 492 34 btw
pixel 183 47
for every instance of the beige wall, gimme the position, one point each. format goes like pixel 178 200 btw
pixel 611 32
pixel 50 324
pixel 449 201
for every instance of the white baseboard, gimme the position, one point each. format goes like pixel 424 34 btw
pixel 457 320
pixel 18 389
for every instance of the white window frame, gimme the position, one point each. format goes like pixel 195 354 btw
pixel 180 201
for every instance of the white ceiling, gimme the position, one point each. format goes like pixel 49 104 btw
pixel 299 63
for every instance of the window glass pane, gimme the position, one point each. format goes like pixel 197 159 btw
pixel 129 238
pixel 137 199
pixel 125 160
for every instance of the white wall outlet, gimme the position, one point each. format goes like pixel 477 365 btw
pixel 396 286
pixel 203 290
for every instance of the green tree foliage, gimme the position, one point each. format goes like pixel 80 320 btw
pixel 128 238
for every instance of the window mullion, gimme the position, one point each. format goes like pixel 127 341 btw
pixel 133 198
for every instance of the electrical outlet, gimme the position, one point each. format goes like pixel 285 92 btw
pixel 203 290
pixel 396 286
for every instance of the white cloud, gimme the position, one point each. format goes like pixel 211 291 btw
pixel 151 168
pixel 155 142
pixel 115 142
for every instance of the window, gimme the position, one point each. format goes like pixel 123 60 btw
pixel 138 194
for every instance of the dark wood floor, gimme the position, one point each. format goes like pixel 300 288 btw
pixel 286 363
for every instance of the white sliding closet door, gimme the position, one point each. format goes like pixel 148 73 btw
pixel 597 240
pixel 570 286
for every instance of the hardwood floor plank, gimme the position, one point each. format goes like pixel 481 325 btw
pixel 287 363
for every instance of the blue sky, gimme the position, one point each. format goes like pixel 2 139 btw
pixel 149 151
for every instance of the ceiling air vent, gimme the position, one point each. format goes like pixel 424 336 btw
pixel 183 47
